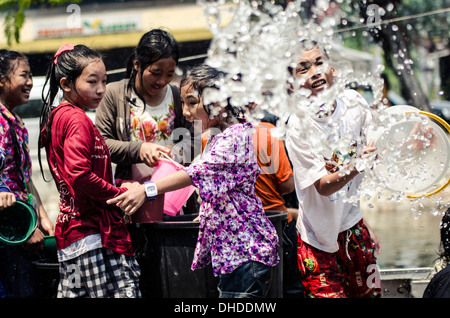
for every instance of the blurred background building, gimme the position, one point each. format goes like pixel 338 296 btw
pixel 113 27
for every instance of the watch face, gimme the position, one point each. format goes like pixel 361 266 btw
pixel 151 190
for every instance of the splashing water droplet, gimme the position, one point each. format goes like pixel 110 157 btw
pixel 259 49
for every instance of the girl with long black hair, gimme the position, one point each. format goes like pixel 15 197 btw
pixel 93 245
pixel 16 81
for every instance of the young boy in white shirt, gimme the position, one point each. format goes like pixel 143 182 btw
pixel 335 250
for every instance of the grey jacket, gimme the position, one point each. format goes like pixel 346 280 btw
pixel 113 121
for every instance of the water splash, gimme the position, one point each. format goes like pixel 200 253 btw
pixel 262 42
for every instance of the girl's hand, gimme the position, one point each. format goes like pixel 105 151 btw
pixel 130 185
pixel 47 225
pixel 35 242
pixel 149 153
pixel 131 200
pixel 7 199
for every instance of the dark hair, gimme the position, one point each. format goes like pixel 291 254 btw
pixel 7 58
pixel 203 76
pixel 200 77
pixel 69 64
pixel 310 44
pixel 445 235
pixel 153 46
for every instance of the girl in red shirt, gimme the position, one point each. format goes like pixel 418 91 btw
pixel 94 247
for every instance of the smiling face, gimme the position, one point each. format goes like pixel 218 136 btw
pixel 310 66
pixel 154 78
pixel 88 89
pixel 15 90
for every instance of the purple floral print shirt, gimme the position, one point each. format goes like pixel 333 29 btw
pixel 233 228
pixel 16 178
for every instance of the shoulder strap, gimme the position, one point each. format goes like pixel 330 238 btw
pixel 179 118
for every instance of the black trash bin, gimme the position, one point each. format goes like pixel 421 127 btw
pixel 46 278
pixel 165 252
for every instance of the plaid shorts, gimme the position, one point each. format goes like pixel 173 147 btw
pixel 100 273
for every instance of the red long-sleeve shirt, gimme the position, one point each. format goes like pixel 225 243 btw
pixel 81 167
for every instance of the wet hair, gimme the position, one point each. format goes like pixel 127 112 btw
pixel 153 46
pixel 203 76
pixel 311 44
pixel 69 64
pixel 7 59
pixel 308 45
pixel 200 77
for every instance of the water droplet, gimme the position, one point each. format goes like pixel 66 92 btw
pixel 258 46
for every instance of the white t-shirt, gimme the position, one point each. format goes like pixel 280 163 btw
pixel 321 218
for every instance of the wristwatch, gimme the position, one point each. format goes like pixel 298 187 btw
pixel 150 190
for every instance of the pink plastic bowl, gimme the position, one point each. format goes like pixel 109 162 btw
pixel 174 200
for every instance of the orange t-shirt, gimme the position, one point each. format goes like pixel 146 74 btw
pixel 274 164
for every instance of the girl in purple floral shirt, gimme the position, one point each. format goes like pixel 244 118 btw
pixel 16 271
pixel 234 233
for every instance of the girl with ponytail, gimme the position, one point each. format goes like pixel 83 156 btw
pixel 91 237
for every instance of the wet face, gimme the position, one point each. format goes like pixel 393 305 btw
pixel 311 66
pixel 193 108
pixel 155 77
pixel 15 90
pixel 89 87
